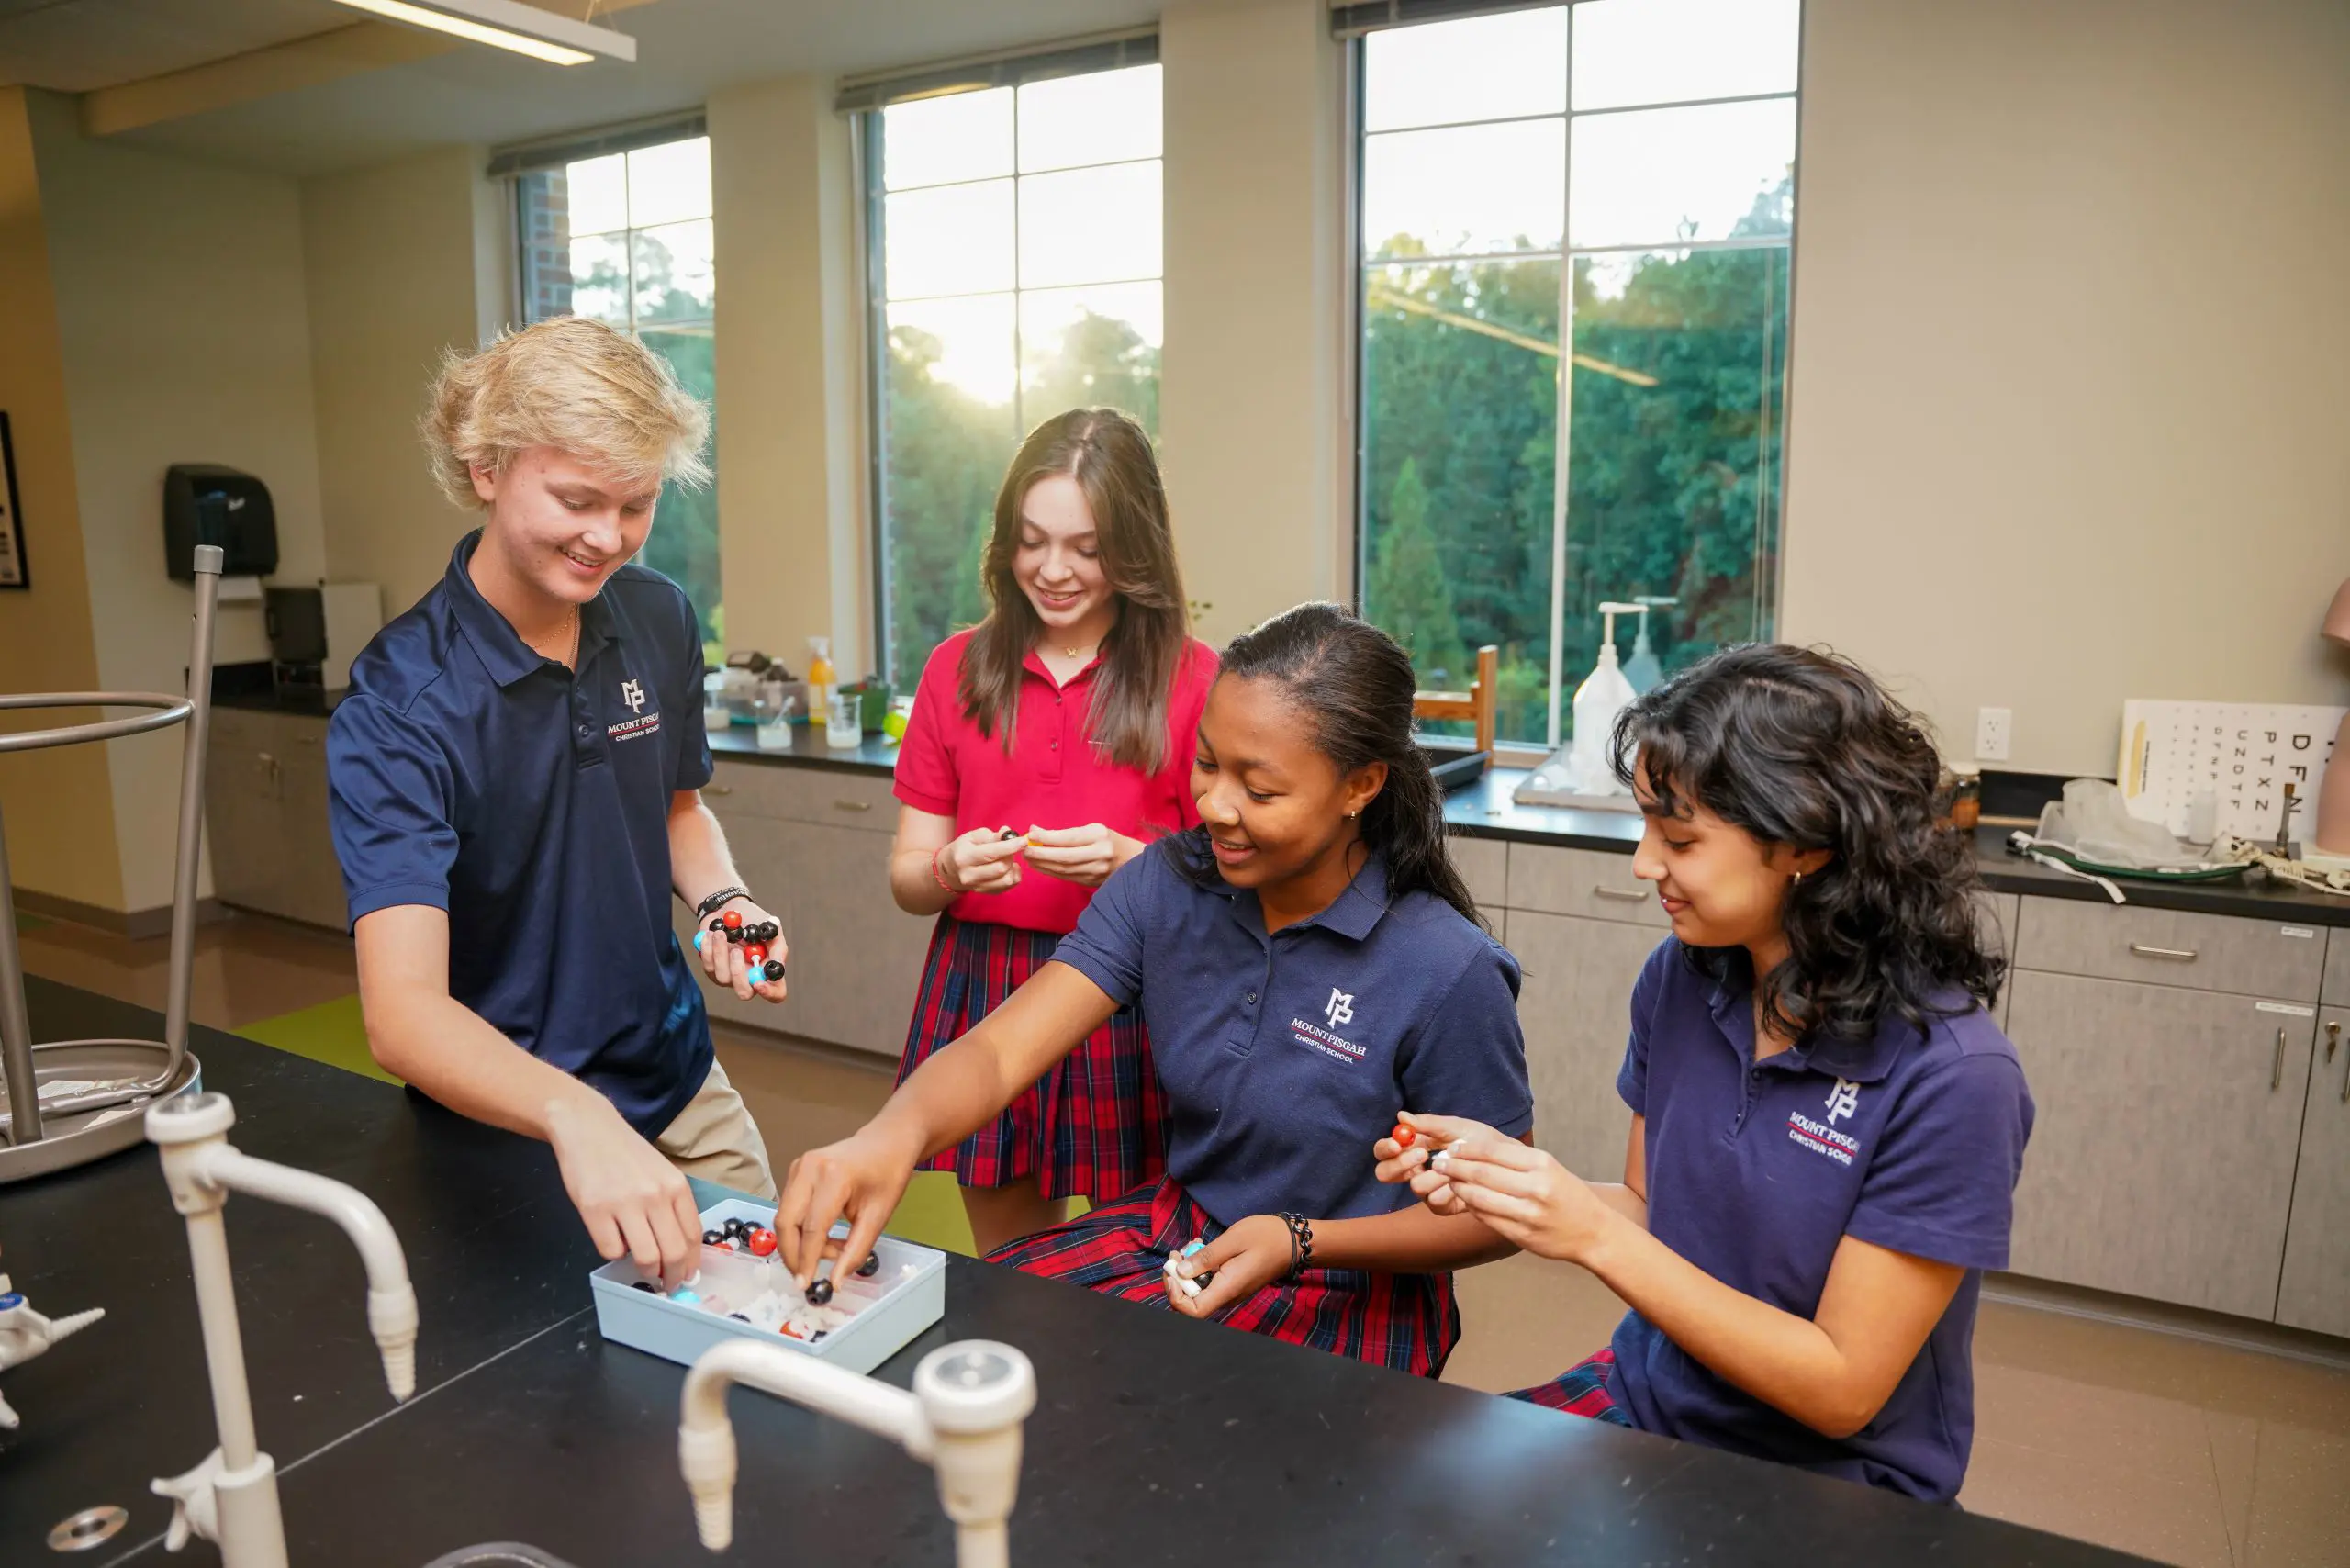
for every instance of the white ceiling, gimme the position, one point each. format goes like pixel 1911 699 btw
pixel 686 49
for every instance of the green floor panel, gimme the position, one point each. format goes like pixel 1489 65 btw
pixel 931 1214
pixel 332 1033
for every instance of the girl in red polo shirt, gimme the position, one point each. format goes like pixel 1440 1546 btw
pixel 1066 719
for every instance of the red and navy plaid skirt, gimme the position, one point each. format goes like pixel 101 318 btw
pixel 1580 1390
pixel 1409 1322
pixel 1094 1127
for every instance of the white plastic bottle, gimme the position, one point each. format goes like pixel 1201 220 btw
pixel 1604 694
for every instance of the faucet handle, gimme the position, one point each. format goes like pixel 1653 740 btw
pixel 196 1505
pixel 975 1386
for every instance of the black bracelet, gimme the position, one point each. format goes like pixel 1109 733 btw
pixel 703 910
pixel 1301 1243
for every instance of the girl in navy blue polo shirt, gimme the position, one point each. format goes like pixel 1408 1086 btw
pixel 1823 1161
pixel 1306 960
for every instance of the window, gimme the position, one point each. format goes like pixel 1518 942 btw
pixel 1014 233
pixel 625 238
pixel 1614 179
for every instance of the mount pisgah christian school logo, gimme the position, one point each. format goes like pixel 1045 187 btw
pixel 1340 1009
pixel 643 723
pixel 1821 1137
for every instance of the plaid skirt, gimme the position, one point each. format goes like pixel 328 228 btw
pixel 1409 1322
pixel 1580 1390
pixel 1094 1127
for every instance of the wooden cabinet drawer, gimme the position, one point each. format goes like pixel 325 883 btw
pixel 2337 966
pixel 1596 884
pixel 2165 947
pixel 1483 864
pixel 829 796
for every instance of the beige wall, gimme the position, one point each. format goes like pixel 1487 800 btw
pixel 58 804
pixel 1255 395
pixel 179 306
pixel 2071 360
pixel 789 385
pixel 399 270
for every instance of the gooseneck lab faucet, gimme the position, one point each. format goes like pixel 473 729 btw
pixel 963 1419
pixel 231 1497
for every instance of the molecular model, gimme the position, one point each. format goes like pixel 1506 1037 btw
pixel 752 939
pixel 741 1278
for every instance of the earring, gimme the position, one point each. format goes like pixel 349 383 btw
pixel 1798 881
pixel 1352 815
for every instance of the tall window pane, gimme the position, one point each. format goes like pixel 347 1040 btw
pixel 1568 178
pixel 1019 238
pixel 627 239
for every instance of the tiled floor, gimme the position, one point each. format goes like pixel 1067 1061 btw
pixel 2182 1450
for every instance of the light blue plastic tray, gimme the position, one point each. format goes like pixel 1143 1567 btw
pixel 912 1296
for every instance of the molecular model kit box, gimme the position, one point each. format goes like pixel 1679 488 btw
pixel 854 1316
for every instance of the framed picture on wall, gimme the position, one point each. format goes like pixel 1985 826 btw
pixel 13 571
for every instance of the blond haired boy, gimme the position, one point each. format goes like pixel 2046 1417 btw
pixel 516 780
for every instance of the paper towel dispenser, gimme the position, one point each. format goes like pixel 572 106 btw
pixel 206 504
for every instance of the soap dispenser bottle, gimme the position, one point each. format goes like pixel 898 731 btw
pixel 1642 669
pixel 1604 694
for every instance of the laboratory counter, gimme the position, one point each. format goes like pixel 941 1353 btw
pixel 1156 1440
pixel 1484 809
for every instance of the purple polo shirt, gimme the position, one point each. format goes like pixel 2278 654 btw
pixel 1285 1056
pixel 1757 1171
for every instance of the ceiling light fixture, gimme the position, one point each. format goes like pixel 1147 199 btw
pixel 508 24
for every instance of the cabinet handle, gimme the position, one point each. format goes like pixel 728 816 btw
pixel 2177 955
pixel 1626 894
pixel 852 805
pixel 2277 1068
pixel 717 788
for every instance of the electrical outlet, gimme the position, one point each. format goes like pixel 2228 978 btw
pixel 1992 728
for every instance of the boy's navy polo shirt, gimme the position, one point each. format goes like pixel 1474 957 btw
pixel 532 804
pixel 1285 1057
pixel 1756 1172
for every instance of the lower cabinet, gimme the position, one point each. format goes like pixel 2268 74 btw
pixel 854 957
pixel 265 816
pixel 1575 1007
pixel 2316 1289
pixel 2161 1162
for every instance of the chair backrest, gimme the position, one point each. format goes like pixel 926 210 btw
pixel 1476 705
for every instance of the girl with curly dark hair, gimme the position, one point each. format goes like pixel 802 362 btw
pixel 1826 1124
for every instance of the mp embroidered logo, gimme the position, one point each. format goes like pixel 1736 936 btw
pixel 633 693
pixel 1843 1100
pixel 1341 1007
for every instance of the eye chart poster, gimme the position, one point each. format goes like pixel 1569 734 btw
pixel 12 543
pixel 2239 756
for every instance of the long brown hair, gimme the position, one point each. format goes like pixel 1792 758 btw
pixel 1109 457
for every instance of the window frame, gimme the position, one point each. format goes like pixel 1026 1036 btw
pixel 1769 585
pixel 520 167
pixel 867 140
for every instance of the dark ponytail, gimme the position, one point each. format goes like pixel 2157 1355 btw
pixel 1355 686
pixel 1802 749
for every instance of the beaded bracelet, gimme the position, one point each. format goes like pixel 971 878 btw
pixel 1301 1243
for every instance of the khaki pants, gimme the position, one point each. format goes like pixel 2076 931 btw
pixel 715 1139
